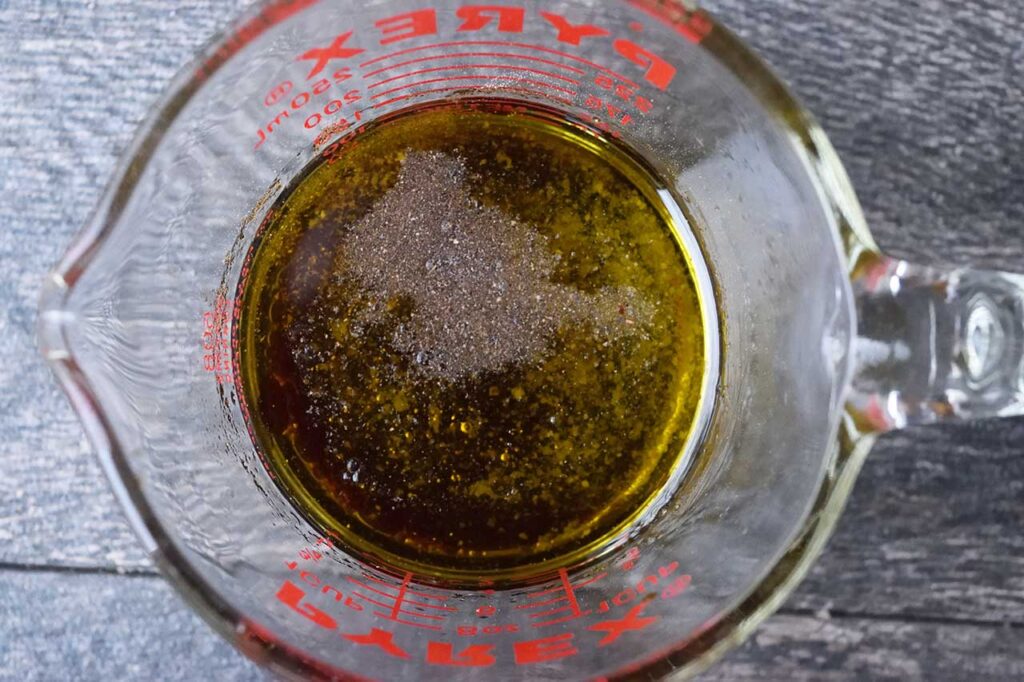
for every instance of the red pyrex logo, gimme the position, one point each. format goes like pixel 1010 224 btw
pixel 554 70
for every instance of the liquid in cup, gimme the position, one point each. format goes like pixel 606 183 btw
pixel 472 344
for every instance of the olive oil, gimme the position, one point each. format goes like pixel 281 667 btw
pixel 471 343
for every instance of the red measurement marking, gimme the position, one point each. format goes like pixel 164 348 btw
pixel 473 630
pixel 546 649
pixel 571 33
pixel 458 55
pixel 510 19
pixel 502 43
pixel 608 629
pixel 382 639
pixel 565 596
pixel 277 93
pixel 522 91
pixel 628 561
pixel 216 340
pixel 376 602
pixel 460 67
pixel 410 602
pixel 400 27
pixel 323 55
pixel 292 596
pixel 477 655
pixel 528 81
pixel 395 602
pixel 614 628
pixel 425 595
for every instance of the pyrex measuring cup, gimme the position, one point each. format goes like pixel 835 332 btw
pixel 825 342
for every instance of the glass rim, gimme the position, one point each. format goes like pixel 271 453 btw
pixel 683 658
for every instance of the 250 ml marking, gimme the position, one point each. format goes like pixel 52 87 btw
pixel 216 340
pixel 300 100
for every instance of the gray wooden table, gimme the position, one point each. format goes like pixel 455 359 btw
pixel 925 576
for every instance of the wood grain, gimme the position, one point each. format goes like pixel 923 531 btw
pixel 935 529
pixel 924 99
pixel 132 629
pixel 795 648
pixel 925 576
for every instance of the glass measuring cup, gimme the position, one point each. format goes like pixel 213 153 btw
pixel 136 327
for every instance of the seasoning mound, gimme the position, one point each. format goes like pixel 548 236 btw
pixel 468 287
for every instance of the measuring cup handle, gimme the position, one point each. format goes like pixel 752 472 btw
pixel 935 344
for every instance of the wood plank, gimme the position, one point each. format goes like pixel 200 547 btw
pixel 70 626
pixel 935 528
pixel 798 648
pixel 924 101
pixel 99 626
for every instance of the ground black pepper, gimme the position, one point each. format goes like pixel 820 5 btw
pixel 476 281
